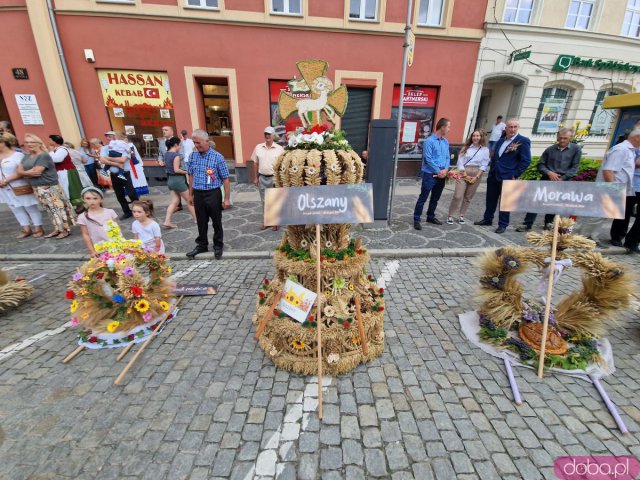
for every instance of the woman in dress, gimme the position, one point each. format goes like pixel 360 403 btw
pixel 67 173
pixel 137 171
pixel 78 161
pixel 14 189
pixel 38 168
pixel 473 160
pixel 89 160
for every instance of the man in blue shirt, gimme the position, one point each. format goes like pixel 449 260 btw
pixel 207 171
pixel 435 165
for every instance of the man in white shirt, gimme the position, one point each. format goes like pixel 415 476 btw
pixel 264 156
pixel 496 132
pixel 186 146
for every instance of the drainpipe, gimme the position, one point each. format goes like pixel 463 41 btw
pixel 63 62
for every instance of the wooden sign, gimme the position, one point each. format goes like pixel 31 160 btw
pixel 326 204
pixel 583 199
pixel 195 290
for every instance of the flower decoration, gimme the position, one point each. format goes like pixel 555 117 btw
pixel 299 344
pixel 70 295
pixel 339 283
pixel 163 305
pixel 142 305
pixel 118 298
pixel 329 311
pixel 147 317
pixel 74 306
pixel 511 262
pixel 77 277
pixel 136 291
pixel 333 358
pixel 75 322
pixel 113 326
pixel 128 271
pixel 351 287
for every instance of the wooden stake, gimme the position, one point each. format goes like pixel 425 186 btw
pixel 319 320
pixel 267 316
pixel 145 344
pixel 547 307
pixel 363 340
pixel 70 357
pixel 125 351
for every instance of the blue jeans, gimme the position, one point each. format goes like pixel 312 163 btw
pixel 494 190
pixel 429 185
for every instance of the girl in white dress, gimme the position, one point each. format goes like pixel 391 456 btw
pixel 144 228
pixel 24 207
pixel 138 178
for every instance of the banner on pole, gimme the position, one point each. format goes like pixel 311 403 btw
pixel 326 204
pixel 584 199
pixel 412 48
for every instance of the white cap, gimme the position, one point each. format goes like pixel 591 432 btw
pixel 270 130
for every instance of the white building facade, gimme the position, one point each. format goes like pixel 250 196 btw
pixel 580 52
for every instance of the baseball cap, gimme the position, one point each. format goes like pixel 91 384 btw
pixel 110 132
pixel 270 130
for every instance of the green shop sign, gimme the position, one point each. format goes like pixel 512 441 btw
pixel 565 61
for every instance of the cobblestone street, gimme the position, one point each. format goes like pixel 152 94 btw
pixel 203 402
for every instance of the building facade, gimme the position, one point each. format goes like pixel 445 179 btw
pixel 581 51
pixel 136 65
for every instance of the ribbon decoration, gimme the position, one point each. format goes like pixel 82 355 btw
pixel 559 267
pixel 133 165
pixel 211 178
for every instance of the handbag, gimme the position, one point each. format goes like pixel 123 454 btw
pixel 20 190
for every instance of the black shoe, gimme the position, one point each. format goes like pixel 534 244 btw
pixel 218 254
pixel 616 243
pixel 191 255
pixel 417 226
pixel 483 222
pixel 125 216
pixel 434 220
pixel 635 249
pixel 500 230
pixel 525 228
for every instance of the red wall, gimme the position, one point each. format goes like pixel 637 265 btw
pixel 397 11
pixel 161 2
pixel 245 5
pixel 469 13
pixel 326 9
pixel 21 52
pixel 230 46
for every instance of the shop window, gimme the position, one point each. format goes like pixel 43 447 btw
pixel 579 16
pixel 552 111
pixel 518 11
pixel 631 25
pixel 430 13
pixel 601 119
pixel 363 9
pixel 286 7
pixel 203 4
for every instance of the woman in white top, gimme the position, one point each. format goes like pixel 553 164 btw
pixel 25 207
pixel 473 160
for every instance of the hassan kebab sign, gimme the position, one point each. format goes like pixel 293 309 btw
pixel 127 88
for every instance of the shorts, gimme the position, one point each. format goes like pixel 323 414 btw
pixel 177 183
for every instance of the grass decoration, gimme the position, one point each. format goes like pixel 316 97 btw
pixel 13 292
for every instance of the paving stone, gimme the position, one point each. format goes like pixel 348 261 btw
pixel 352 452
pixel 461 463
pixel 375 462
pixel 349 427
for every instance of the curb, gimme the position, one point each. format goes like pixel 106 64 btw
pixel 258 255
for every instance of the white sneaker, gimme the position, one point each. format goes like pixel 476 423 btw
pixel 461 220
pixel 449 220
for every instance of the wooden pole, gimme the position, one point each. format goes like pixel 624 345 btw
pixel 70 357
pixel 124 351
pixel 547 307
pixel 363 340
pixel 319 320
pixel 267 316
pixel 144 345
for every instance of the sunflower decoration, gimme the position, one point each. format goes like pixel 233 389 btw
pixel 124 288
pixel 299 345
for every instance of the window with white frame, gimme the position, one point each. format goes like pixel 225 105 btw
pixel 430 13
pixel 631 24
pixel 518 11
pixel 601 119
pixel 552 110
pixel 203 3
pixel 363 9
pixel 580 12
pixel 289 7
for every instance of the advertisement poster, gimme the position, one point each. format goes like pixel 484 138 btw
pixel 551 115
pixel 296 301
pixel 29 109
pixel 418 117
pixel 296 88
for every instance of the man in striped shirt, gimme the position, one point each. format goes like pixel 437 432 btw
pixel 207 171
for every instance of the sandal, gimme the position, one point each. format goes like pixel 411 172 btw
pixel 38 233
pixel 62 235
pixel 26 232
pixel 169 227
pixel 52 234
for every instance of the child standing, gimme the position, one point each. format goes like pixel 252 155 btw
pixel 144 227
pixel 119 148
pixel 94 218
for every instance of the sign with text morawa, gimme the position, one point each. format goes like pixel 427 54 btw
pixel 326 204
pixel 584 199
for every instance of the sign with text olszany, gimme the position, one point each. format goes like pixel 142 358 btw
pixel 584 199
pixel 327 204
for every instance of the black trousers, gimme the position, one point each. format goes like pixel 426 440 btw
pixel 208 205
pixel 123 188
pixel 92 173
pixel 494 190
pixel 619 226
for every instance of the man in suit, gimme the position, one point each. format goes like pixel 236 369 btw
pixel 512 156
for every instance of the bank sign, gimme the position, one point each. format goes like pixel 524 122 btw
pixel 127 88
pixel 564 62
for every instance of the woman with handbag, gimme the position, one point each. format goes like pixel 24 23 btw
pixel 473 160
pixel 38 167
pixel 16 192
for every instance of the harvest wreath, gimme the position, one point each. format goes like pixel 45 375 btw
pixel 12 292
pixel 507 320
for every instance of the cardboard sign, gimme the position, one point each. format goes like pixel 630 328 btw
pixel 327 204
pixel 296 301
pixel 197 289
pixel 583 199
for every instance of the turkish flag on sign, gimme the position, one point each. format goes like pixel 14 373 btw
pixel 151 93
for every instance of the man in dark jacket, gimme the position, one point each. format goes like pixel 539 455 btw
pixel 511 157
